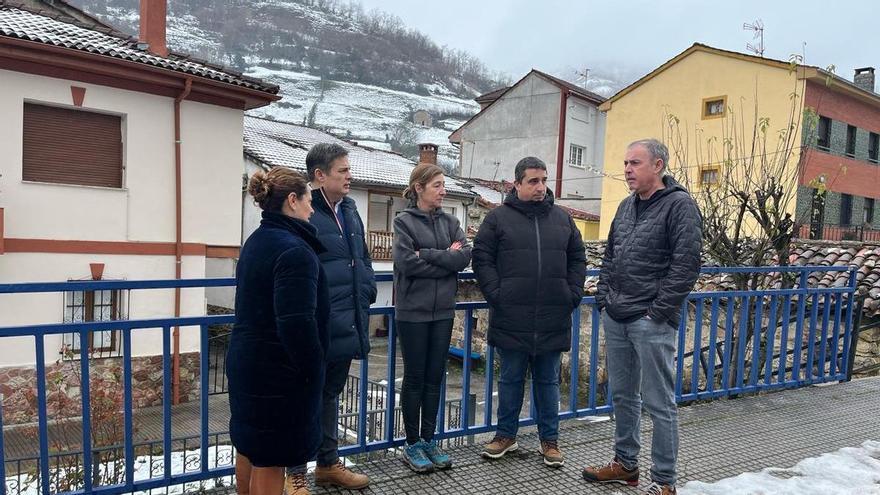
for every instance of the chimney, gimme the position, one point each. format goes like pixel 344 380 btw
pixel 864 78
pixel 153 18
pixel 428 153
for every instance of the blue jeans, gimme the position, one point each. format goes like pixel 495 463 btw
pixel 511 384
pixel 640 359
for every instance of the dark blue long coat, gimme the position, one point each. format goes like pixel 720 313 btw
pixel 275 362
pixel 349 276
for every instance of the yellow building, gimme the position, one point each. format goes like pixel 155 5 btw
pixel 707 90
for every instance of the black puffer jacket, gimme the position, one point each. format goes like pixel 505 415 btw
pixel 530 263
pixel 651 261
pixel 349 272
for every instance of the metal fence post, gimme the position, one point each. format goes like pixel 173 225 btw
pixel 472 415
pixel 854 339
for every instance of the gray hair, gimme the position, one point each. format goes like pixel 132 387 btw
pixel 519 172
pixel 658 150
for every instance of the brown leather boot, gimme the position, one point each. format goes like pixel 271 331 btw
pixel 613 472
pixel 340 476
pixel 296 484
pixel 552 455
pixel 499 446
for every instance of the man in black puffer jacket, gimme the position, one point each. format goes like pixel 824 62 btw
pixel 530 263
pixel 352 289
pixel 650 265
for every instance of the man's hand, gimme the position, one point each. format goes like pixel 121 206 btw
pixel 456 246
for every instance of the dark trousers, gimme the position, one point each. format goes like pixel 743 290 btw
pixel 424 347
pixel 335 377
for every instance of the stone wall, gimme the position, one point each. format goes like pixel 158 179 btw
pixel 19 387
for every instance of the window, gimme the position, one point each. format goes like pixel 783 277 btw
pixel 709 177
pixel 576 156
pixel 823 133
pixel 66 146
pixel 100 305
pixel 868 217
pixel 850 141
pixel 873 146
pixel 845 209
pixel 714 107
pixel 449 209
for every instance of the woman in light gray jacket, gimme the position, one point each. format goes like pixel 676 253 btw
pixel 430 249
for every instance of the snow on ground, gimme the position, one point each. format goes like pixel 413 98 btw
pixel 849 471
pixel 361 112
pixel 144 469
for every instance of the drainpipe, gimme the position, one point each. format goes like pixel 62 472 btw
pixel 560 150
pixel 178 240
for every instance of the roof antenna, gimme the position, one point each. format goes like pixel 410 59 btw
pixel 583 77
pixel 758 28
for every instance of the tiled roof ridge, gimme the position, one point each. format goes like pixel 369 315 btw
pixel 127 47
pixel 57 16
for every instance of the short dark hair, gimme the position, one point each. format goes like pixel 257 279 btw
pixel 321 156
pixel 528 162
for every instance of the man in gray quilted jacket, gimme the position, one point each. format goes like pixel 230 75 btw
pixel 650 265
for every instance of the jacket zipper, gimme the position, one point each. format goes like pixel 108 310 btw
pixel 436 243
pixel 538 291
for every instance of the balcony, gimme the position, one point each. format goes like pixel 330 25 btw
pixel 839 233
pixel 380 244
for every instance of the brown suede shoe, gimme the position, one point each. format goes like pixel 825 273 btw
pixel 658 489
pixel 296 484
pixel 340 476
pixel 552 455
pixel 499 446
pixel 613 472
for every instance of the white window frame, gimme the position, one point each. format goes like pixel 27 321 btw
pixel 577 160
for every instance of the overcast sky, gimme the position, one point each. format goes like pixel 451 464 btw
pixel 630 38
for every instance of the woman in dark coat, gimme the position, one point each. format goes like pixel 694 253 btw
pixel 429 250
pixel 276 354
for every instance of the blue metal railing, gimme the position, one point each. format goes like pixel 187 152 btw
pixel 730 322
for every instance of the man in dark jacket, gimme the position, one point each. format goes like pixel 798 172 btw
pixel 352 289
pixel 530 263
pixel 650 265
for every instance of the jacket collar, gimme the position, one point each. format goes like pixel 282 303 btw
pixel 301 228
pixel 530 208
pixel 319 201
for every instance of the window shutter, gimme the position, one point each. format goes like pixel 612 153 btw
pixel 67 146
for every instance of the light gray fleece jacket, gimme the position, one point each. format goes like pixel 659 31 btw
pixel 425 283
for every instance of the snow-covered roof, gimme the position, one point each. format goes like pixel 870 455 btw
pixel 52 29
pixel 276 143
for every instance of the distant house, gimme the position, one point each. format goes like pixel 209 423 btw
pixel 543 116
pixel 378 180
pixel 118 156
pixel 703 85
pixel 423 118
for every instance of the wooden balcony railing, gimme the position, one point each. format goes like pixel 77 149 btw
pixel 380 243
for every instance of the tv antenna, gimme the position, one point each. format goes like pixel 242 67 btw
pixel 758 28
pixel 583 77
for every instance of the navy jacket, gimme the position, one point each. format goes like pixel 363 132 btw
pixel 275 361
pixel 349 272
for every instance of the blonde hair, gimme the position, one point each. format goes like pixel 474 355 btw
pixel 421 174
pixel 270 189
